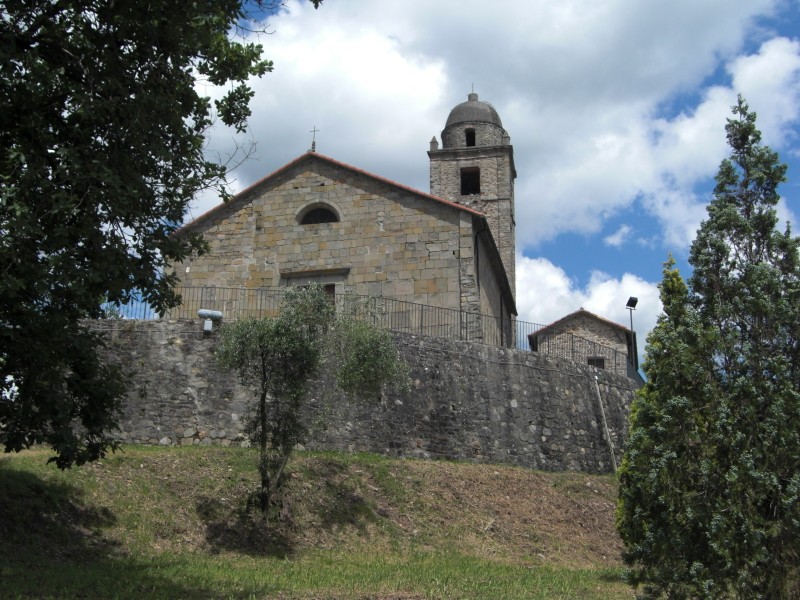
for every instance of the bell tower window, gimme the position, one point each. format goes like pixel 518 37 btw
pixel 470 137
pixel 470 181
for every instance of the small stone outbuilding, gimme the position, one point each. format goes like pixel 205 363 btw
pixel 591 339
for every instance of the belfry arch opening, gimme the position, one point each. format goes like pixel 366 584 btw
pixel 469 135
pixel 470 181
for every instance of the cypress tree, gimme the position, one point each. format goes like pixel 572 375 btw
pixel 710 483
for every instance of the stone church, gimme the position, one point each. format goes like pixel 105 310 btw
pixel 319 220
pixel 424 255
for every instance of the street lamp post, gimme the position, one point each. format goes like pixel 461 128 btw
pixel 633 358
pixel 631 306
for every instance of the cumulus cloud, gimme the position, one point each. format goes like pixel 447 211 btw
pixel 690 147
pixel 660 161
pixel 615 109
pixel 546 293
pixel 375 104
pixel 770 82
pixel 619 237
pixel 581 98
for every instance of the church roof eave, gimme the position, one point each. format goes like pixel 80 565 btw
pixel 321 157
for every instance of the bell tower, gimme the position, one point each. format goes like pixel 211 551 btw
pixel 475 167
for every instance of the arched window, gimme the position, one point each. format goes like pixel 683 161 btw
pixel 318 213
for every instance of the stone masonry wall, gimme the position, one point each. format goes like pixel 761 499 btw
pixel 495 200
pixel 467 401
pixel 389 242
pixel 492 296
pixel 486 134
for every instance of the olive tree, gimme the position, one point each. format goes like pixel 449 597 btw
pixel 279 357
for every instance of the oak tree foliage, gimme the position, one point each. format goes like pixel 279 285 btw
pixel 102 138
pixel 710 483
pixel 280 356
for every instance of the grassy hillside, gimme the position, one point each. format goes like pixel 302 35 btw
pixel 175 523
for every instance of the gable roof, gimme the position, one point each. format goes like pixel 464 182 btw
pixel 310 156
pixel 581 312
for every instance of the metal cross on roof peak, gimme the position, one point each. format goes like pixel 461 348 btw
pixel 313 133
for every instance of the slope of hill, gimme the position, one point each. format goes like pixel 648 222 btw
pixel 177 523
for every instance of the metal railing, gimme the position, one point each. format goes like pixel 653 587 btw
pixel 568 345
pixel 391 314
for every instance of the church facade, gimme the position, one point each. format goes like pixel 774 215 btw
pixel 320 220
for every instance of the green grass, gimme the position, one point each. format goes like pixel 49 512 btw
pixel 175 523
pixel 318 575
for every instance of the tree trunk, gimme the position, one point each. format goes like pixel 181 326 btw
pixel 279 472
pixel 263 463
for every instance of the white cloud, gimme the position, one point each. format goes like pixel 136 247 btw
pixel 770 82
pixel 546 293
pixel 372 101
pixel 619 237
pixel 661 161
pixel 579 85
pixel 608 105
pixel 689 147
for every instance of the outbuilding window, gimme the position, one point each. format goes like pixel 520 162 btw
pixel 598 362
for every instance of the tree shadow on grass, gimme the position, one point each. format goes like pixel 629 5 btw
pixel 50 521
pixel 333 503
pixel 242 529
pixel 613 575
pixel 346 507
pixel 54 543
pixel 342 504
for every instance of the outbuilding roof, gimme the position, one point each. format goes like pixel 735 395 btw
pixel 578 313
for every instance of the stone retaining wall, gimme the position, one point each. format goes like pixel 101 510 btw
pixel 467 401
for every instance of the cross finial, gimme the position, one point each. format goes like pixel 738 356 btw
pixel 313 133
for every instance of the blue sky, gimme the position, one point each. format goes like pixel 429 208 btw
pixel 616 110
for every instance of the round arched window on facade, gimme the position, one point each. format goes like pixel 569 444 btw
pixel 319 214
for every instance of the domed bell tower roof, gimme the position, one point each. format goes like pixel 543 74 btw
pixel 473 110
